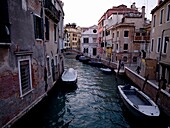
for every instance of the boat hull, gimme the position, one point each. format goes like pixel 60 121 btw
pixel 138 103
pixel 106 70
pixel 69 76
pixel 96 64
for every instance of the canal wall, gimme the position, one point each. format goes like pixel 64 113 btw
pixel 151 90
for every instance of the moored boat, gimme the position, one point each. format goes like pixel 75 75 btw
pixel 77 56
pixel 138 102
pixel 106 70
pixel 121 71
pixel 84 59
pixel 69 76
pixel 95 63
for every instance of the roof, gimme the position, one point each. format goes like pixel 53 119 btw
pixel 161 3
pixel 118 9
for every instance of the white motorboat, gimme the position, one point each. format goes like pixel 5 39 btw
pixel 137 102
pixel 106 70
pixel 121 71
pixel 69 76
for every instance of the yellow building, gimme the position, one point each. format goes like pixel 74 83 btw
pixel 72 36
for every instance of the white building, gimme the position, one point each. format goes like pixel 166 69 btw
pixel 89 41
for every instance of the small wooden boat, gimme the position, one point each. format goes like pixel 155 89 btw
pixel 106 70
pixel 137 102
pixel 69 76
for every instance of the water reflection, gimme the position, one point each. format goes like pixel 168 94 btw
pixel 95 103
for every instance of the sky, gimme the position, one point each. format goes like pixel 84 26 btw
pixel 86 13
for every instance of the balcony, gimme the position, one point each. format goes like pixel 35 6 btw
pixel 51 11
pixel 141 39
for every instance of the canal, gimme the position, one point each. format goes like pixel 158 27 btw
pixel 95 103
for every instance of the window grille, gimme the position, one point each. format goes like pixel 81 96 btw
pixel 24 75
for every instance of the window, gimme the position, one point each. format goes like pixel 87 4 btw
pixel 113 35
pixel 25 76
pixel 107 32
pixel 125 58
pixel 94 40
pixel 117 47
pixel 165 45
pixel 55 32
pixel 94 51
pixel 158 45
pixel 85 50
pixel 168 13
pixel 144 34
pixel 134 59
pixel 152 42
pixel 161 16
pixel 94 31
pixel 47 32
pixel 125 46
pixel 137 34
pixel 85 40
pixel 4 33
pixel 117 33
pixel 126 33
pixel 154 20
pixel 48 66
pixel 38 27
pixel 102 44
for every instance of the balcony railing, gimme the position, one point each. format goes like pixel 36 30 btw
pixel 142 39
pixel 51 11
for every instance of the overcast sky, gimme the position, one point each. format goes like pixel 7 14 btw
pixel 86 13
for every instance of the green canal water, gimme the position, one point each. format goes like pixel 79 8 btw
pixel 95 103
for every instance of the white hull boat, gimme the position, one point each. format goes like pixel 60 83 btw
pixel 121 71
pixel 69 76
pixel 137 102
pixel 106 70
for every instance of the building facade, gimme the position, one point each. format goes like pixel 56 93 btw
pixel 160 36
pixel 72 36
pixel 89 42
pixel 31 60
pixel 117 29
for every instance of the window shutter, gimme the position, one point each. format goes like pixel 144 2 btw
pixel 34 18
pixel 42 29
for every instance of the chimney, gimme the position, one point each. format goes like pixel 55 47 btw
pixel 159 1
pixel 143 11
